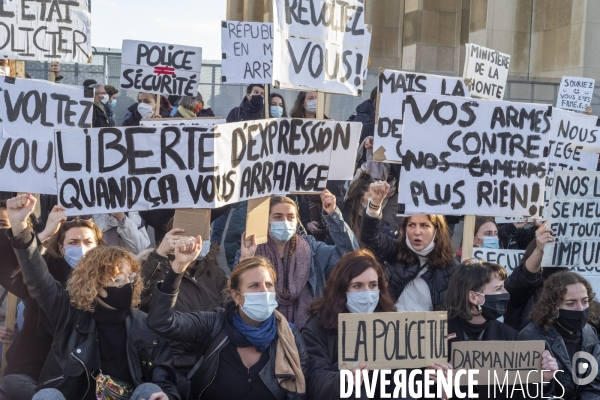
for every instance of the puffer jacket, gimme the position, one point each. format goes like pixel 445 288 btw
pixel 565 387
pixel 201 328
pixel 399 275
pixel 74 348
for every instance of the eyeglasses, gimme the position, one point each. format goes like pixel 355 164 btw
pixel 121 280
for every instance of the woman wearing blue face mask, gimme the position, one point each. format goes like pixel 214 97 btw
pixel 357 284
pixel 486 233
pixel 247 350
pixel 201 289
pixel 301 262
pixel 111 103
pixel 65 243
pixel 277 109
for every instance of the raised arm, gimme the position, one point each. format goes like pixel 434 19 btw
pixel 384 247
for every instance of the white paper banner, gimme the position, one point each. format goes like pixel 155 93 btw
pixel 247 52
pixel 575 93
pixel 488 70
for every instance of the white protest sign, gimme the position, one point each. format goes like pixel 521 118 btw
pixel 574 216
pixel 488 70
pixel 509 259
pixel 569 134
pixel 182 121
pixel 30 110
pixel 141 168
pixel 247 52
pixel 160 68
pixel 46 30
pixel 575 93
pixel 393 88
pixel 468 156
pixel 320 45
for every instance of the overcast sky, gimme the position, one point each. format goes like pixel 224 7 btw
pixel 186 22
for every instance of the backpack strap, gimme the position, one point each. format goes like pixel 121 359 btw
pixel 214 345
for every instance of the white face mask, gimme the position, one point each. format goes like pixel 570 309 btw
pixel 425 252
pixel 105 99
pixel 4 70
pixel 145 110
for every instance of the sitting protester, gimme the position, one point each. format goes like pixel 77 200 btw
pixel 247 350
pixel 301 262
pixel 144 109
pixel 66 243
pixel 357 284
pixel 101 342
pixel 201 289
pixel 476 299
pixel 420 263
pixel 123 229
pixel 560 317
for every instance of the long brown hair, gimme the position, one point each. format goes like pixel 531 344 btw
pixel 469 276
pixel 544 311
pixel 58 239
pixel 275 200
pixel 443 253
pixel 356 191
pixel 297 110
pixel 333 301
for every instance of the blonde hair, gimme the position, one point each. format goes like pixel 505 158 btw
pixel 94 272
pixel 235 279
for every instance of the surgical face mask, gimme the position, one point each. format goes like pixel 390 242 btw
pixel 311 106
pixel 145 110
pixel 257 101
pixel 276 111
pixel 494 305
pixel 73 254
pixel 259 306
pixel 362 302
pixel 425 252
pixel 573 320
pixel 105 99
pixel 490 242
pixel 205 250
pixel 4 70
pixel 112 104
pixel 282 231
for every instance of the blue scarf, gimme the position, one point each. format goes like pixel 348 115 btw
pixel 261 336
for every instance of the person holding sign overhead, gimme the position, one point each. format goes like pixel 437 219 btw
pixel 252 106
pixel 476 299
pixel 357 284
pixel 301 262
pixel 421 262
pixel 247 350
pixel 561 317
pixel 100 339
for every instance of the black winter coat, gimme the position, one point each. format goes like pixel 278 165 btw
pixel 74 348
pixel 201 328
pixel 399 275
pixel 244 112
pixel 523 295
pixel 99 117
pixel 566 387
pixel 133 117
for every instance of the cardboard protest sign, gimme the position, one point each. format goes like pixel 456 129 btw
pixel 575 93
pixel 182 121
pixel 393 88
pixel 257 220
pixel 569 134
pixel 247 52
pixel 488 71
pixel 141 168
pixel 392 340
pixel 494 359
pixel 574 216
pixel 194 222
pixel 46 30
pixel 320 45
pixel 30 110
pixel 509 259
pixel 160 68
pixel 467 156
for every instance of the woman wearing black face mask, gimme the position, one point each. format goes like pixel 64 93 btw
pixel 100 340
pixel 560 317
pixel 476 299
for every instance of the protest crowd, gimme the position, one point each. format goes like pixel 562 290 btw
pixel 177 254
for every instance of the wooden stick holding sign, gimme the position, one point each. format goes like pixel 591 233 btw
pixel 267 102
pixel 257 220
pixel 195 222
pixel 468 236
pixel 320 105
pixel 157 111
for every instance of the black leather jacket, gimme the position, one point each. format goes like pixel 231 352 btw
pixel 201 328
pixel 73 356
pixel 399 275
pixel 556 345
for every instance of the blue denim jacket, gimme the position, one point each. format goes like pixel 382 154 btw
pixel 324 256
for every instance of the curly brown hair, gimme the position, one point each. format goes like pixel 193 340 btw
pixel 333 301
pixel 543 313
pixel 58 239
pixel 443 253
pixel 94 272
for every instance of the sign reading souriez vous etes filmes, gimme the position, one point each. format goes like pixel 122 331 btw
pixel 160 68
pixel 46 30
